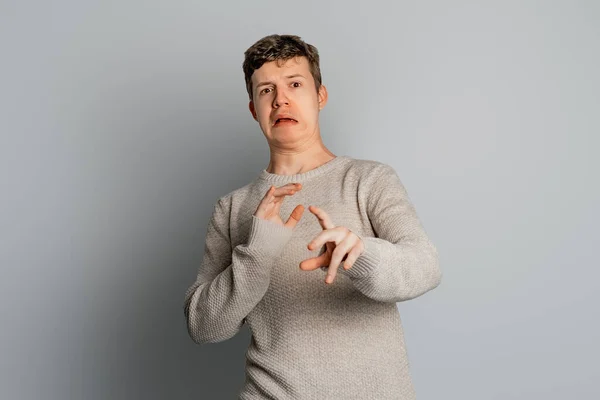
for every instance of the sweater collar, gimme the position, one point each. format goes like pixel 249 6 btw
pixel 283 179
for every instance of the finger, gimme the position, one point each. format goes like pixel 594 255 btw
pixel 313 263
pixel 287 190
pixel 273 198
pixel 336 258
pixel 295 216
pixel 340 252
pixel 352 257
pixel 323 217
pixel 269 193
pixel 289 186
pixel 280 194
pixel 275 201
pixel 335 235
pixel 263 206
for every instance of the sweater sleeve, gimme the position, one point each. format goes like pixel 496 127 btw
pixel 230 282
pixel 400 262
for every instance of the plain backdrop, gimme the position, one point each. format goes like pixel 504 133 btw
pixel 122 122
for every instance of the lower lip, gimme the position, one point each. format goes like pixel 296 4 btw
pixel 284 123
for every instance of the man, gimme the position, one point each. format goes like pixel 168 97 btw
pixel 324 325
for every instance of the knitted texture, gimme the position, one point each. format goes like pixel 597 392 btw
pixel 312 340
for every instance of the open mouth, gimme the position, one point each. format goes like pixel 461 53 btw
pixel 285 121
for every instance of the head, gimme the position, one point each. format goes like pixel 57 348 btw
pixel 283 79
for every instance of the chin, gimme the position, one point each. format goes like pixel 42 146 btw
pixel 288 135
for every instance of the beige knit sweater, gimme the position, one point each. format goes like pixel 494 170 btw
pixel 312 340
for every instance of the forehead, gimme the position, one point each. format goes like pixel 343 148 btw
pixel 278 68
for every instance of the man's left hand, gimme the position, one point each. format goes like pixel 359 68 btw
pixel 341 245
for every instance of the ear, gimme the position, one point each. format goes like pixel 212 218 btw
pixel 322 96
pixel 252 110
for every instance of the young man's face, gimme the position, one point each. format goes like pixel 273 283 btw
pixel 287 91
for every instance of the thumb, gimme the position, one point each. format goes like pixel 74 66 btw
pixel 295 216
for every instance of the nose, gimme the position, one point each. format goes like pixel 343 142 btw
pixel 280 98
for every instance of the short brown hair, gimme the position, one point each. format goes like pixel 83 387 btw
pixel 280 48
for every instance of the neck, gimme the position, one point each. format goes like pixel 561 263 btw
pixel 297 162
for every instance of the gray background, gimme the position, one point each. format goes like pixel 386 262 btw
pixel 123 121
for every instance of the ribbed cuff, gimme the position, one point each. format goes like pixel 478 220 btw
pixel 267 236
pixel 368 261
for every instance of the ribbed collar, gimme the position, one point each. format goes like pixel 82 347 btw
pixel 283 179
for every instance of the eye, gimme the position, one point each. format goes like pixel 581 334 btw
pixel 264 90
pixel 297 83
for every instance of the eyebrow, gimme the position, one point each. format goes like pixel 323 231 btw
pixel 286 77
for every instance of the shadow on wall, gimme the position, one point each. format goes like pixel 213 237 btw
pixel 136 343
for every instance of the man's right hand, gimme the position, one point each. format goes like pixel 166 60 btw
pixel 270 205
